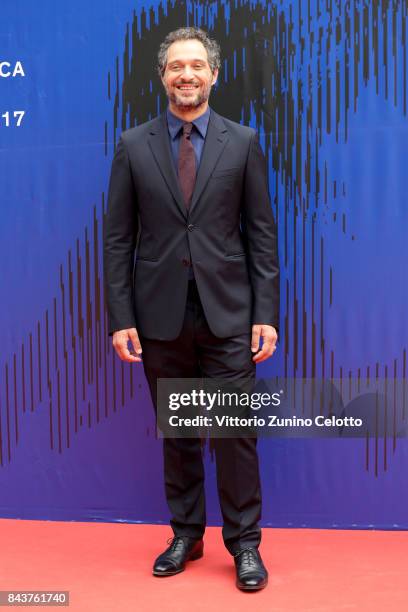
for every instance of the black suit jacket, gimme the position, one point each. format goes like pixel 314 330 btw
pixel 229 233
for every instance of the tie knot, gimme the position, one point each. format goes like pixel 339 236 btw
pixel 187 127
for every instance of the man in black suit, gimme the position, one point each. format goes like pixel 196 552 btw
pixel 189 193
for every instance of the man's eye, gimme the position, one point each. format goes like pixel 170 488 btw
pixel 197 66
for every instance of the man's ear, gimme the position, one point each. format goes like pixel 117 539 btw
pixel 215 76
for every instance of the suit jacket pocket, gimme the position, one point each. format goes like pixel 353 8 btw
pixel 226 172
pixel 143 258
pixel 235 255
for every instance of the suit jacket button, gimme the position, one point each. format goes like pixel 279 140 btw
pixel 190 227
pixel 185 262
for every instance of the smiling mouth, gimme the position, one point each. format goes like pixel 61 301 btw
pixel 187 87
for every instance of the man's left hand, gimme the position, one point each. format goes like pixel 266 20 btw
pixel 269 336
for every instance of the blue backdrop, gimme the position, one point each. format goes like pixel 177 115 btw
pixel 325 84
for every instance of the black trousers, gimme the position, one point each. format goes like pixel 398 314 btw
pixel 196 353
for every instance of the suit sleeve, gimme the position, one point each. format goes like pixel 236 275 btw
pixel 120 233
pixel 260 235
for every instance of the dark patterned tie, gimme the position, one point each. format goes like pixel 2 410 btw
pixel 187 164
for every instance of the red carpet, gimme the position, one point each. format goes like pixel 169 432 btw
pixel 107 566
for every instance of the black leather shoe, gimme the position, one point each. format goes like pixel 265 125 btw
pixel 173 559
pixel 251 572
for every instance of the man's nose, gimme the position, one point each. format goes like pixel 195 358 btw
pixel 187 72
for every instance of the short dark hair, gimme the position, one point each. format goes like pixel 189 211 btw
pixel 212 47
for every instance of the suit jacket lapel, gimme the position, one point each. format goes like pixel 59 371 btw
pixel 215 141
pixel 160 146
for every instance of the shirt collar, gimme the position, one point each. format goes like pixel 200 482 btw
pixel 175 123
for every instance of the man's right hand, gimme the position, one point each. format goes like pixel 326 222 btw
pixel 120 344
